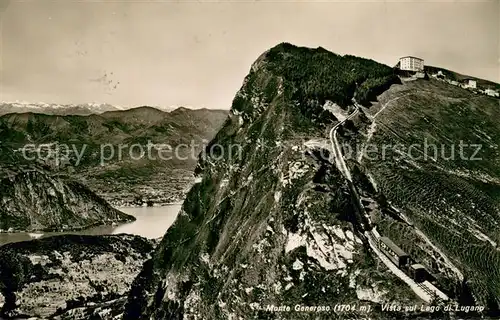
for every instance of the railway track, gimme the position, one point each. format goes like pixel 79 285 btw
pixel 427 289
pixel 423 291
pixel 430 292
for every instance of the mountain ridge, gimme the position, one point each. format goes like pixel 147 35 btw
pixel 456 76
pixel 83 109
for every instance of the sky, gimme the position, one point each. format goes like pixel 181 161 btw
pixel 197 53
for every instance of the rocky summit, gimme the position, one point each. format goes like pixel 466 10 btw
pixel 274 227
pixel 285 228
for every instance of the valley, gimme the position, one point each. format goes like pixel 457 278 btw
pixel 70 276
pixel 112 153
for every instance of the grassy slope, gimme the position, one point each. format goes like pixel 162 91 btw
pixel 450 200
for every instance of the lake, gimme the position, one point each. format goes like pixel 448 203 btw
pixel 152 222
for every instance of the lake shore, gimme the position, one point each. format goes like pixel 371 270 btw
pixel 155 205
pixel 150 222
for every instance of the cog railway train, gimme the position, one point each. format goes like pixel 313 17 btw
pixel 401 259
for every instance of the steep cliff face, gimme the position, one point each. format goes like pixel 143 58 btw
pixel 271 223
pixel 34 200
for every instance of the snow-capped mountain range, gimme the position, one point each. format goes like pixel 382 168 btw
pixel 63 109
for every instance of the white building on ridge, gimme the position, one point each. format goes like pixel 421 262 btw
pixel 410 63
pixel 491 92
pixel 470 83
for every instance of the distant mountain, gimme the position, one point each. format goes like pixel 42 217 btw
pixel 162 108
pixel 55 109
pixel 64 109
pixel 122 177
pixel 34 200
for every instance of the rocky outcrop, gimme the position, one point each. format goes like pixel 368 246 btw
pixel 70 276
pixel 34 200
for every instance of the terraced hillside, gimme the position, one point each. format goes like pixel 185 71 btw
pixel 453 197
pixel 109 152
